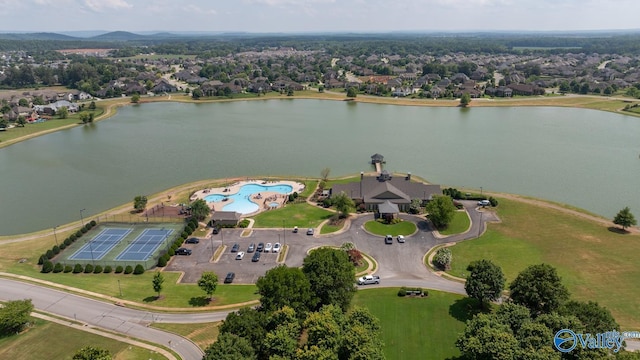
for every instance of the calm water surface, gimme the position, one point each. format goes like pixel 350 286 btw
pixel 585 158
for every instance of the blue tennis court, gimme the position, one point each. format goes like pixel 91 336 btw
pixel 101 244
pixel 145 244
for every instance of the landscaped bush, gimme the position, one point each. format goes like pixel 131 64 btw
pixel 355 256
pixel 171 251
pixel 118 269
pixel 88 269
pixel 83 230
pixel 78 234
pixel 244 223
pixel 50 254
pixel 162 262
pixel 68 269
pixel 184 235
pixel 189 228
pixel 493 201
pixel 63 246
pixel 67 241
pixel 42 259
pixel 179 241
pixel 87 226
pixel 128 269
pixel 56 249
pixel 47 267
pixel 107 269
pixel 97 269
pixel 73 237
pixel 402 292
pixel 77 269
pixel 442 259
pixel 58 267
pixel 138 270
pixel 93 223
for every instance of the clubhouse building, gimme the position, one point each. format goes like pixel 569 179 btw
pixel 386 194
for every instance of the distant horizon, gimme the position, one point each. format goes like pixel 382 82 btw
pixel 319 16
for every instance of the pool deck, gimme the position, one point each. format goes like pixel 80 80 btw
pixel 264 199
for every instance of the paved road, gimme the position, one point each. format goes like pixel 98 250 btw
pixel 121 320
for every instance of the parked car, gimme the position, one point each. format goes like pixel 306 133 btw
pixel 240 255
pixel 309 231
pixel 260 247
pixel 400 238
pixel 295 229
pixel 251 248
pixel 267 247
pixel 192 240
pixel 484 203
pixel 183 251
pixel 276 247
pixel 229 278
pixel 369 279
pixel 388 239
pixel 256 257
pixel 235 248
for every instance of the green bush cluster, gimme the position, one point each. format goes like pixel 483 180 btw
pixel 244 223
pixel 442 259
pixel 404 291
pixel 55 250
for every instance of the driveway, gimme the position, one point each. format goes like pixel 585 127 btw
pixel 399 264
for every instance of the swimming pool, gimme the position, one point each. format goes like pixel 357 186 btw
pixel 242 202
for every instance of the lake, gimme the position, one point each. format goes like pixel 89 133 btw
pixel 586 158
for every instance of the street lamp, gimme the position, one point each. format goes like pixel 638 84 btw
pixel 119 288
pixel 211 240
pixel 81 217
pixel 284 233
pixel 54 235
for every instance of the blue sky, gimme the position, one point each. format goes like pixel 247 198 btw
pixel 317 15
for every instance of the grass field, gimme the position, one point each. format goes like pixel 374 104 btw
pixel 53 341
pixel 412 328
pixel 595 263
pixel 203 334
pixel 401 228
pixel 301 215
pixel 328 229
pixel 459 224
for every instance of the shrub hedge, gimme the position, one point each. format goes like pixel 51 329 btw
pixel 138 270
pixel 128 269
pixel 77 269
pixel 119 269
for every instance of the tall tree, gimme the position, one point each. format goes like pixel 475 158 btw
pixel 352 92
pixel 135 98
pixel 200 210
pixel 324 174
pixel 595 318
pixel 158 280
pixel 441 211
pixel 92 353
pixel 539 288
pixel 625 218
pixel 486 281
pixel 63 112
pixel 465 99
pixel 230 347
pixel 488 339
pixel 285 286
pixel 331 276
pixel 208 283
pixel 140 203
pixel 14 316
pixel 248 323
pixel 343 203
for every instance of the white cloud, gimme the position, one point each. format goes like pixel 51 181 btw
pixel 100 5
pixel 199 10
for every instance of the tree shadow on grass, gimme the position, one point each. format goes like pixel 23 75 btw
pixel 149 299
pixel 199 301
pixel 466 308
pixel 617 230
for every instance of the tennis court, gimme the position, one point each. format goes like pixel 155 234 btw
pixel 101 244
pixel 143 246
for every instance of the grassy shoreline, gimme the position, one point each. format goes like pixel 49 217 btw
pixel 591 102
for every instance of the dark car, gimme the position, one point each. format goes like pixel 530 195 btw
pixel 215 230
pixel 229 278
pixel 251 248
pixel 235 247
pixel 183 251
pixel 260 247
pixel 256 256
pixel 192 240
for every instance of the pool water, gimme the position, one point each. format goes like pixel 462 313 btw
pixel 242 202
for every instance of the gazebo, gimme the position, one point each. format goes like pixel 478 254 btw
pixel 388 210
pixel 377 158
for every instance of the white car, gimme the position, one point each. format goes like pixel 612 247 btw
pixel 276 247
pixel 240 255
pixel 400 238
pixel 484 203
pixel 267 247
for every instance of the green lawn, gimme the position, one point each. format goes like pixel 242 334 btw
pixel 301 215
pixel 309 187
pixel 412 328
pixel 53 341
pixel 459 224
pixel 401 228
pixel 594 262
pixel 202 334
